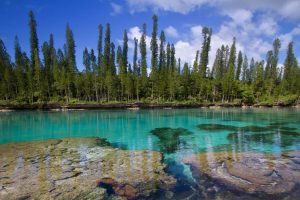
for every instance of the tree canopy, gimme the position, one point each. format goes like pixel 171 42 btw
pixel 109 75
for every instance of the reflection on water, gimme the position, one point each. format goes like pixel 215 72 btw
pixel 214 134
pixel 69 167
pixel 132 129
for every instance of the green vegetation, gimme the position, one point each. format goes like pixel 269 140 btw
pixel 110 77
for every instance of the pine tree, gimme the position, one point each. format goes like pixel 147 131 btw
pixel 168 56
pixel 20 69
pixel 110 75
pixel 173 73
pixel 251 70
pixel 106 49
pixel 87 75
pixel 195 75
pixel 28 78
pixel 143 52
pixel 99 47
pixel 6 74
pixel 228 84
pixel 34 51
pixel 71 69
pixel 34 44
pixel 196 63
pixel 154 58
pixel 289 65
pixel 55 75
pixel 239 66
pixel 53 62
pixel 37 75
pixel 162 69
pixel 123 64
pixel 276 47
pixel 47 75
pixel 100 61
pixel 186 81
pixel 95 73
pixel 206 32
pixel 245 74
pixel 136 70
pixel 258 78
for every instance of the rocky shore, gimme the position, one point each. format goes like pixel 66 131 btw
pixel 91 168
pixel 260 175
pixel 82 168
pixel 137 106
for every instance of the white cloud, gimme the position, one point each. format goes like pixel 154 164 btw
pixel 240 16
pixel 196 31
pixel 288 37
pixel 116 8
pixel 136 32
pixel 254 33
pixel 268 26
pixel 286 8
pixel 291 9
pixel 171 31
pixel 185 51
pixel 180 6
pixel 250 44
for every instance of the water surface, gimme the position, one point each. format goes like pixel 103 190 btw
pixel 132 129
pixel 176 133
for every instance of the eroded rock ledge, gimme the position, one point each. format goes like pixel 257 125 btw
pixel 251 173
pixel 72 168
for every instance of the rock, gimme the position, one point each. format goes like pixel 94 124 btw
pixel 107 181
pixel 69 168
pixel 251 173
pixel 169 195
pixel 169 138
pixel 126 191
pixel 96 194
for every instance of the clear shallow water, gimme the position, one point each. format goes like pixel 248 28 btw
pixel 132 129
pixel 176 133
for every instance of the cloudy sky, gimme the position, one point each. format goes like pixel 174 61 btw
pixel 254 23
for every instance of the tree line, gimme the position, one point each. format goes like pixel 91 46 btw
pixel 108 75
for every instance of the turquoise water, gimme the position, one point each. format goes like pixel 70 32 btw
pixel 280 128
pixel 176 132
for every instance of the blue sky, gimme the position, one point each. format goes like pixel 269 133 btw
pixel 254 23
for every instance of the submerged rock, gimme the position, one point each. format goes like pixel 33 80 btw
pixel 113 187
pixel 71 169
pixel 169 138
pixel 287 138
pixel 253 129
pixel 250 173
pixel 217 127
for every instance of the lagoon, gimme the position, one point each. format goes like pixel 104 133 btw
pixel 179 135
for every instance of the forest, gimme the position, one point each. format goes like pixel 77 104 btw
pixel 50 74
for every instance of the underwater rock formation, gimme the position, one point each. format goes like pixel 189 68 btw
pixel 169 138
pixel 71 169
pixel 251 173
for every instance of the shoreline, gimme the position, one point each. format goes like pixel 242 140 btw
pixel 136 106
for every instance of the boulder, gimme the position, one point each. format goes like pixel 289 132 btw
pixel 251 173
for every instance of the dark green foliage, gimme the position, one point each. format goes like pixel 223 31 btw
pixel 109 75
pixel 239 66
pixel 34 44
pixel 143 53
pixel 6 74
pixel 154 59
pixel 206 32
